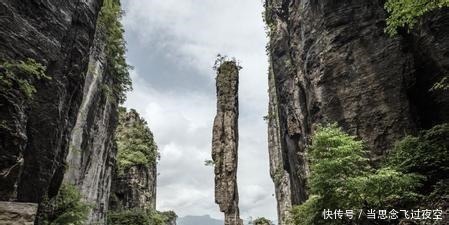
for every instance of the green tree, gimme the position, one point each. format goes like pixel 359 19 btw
pixel 67 208
pixel 426 154
pixel 342 178
pixel 109 20
pixel 406 13
pixel 135 142
pixel 261 221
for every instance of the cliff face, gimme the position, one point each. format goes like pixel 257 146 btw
pixel 332 62
pixel 91 148
pixel 35 133
pixel 225 142
pixel 134 178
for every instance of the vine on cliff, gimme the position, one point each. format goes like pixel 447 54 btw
pixel 109 18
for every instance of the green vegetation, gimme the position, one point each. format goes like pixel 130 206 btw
pixel 20 76
pixel 261 221
pixel 342 178
pixel 67 208
pixel 209 162
pixel 426 154
pixel 223 62
pixel 406 13
pixel 109 20
pixel 139 217
pixel 135 142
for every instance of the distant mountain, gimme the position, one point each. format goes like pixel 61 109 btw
pixel 198 220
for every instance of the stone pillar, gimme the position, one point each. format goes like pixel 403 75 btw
pixel 225 142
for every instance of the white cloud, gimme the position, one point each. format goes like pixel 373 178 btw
pixel 188 34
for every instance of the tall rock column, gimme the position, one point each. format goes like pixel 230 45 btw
pixel 225 142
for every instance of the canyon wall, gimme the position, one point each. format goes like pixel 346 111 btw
pixel 330 61
pixel 225 142
pixel 92 149
pixel 35 130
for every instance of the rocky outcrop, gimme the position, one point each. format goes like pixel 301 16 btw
pixel 16 213
pixel 92 148
pixel 332 62
pixel 135 188
pixel 279 169
pixel 35 134
pixel 225 142
pixel 134 179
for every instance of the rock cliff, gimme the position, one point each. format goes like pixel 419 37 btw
pixel 332 62
pixel 134 178
pixel 92 148
pixel 35 130
pixel 225 142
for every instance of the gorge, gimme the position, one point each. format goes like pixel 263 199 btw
pixel 357 91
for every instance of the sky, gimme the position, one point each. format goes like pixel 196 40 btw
pixel 172 45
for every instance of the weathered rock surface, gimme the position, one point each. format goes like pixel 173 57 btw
pixel 92 148
pixel 34 136
pixel 135 186
pixel 17 213
pixel 332 62
pixel 225 142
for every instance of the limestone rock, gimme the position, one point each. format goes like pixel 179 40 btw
pixel 35 135
pixel 91 149
pixel 134 185
pixel 17 213
pixel 332 62
pixel 225 142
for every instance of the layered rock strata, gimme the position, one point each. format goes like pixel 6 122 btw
pixel 225 142
pixel 35 133
pixel 332 62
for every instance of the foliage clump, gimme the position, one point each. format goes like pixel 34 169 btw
pixel 224 62
pixel 109 20
pixel 139 217
pixel 406 13
pixel 135 143
pixel 66 208
pixel 342 178
pixel 426 154
pixel 261 221
pixel 20 75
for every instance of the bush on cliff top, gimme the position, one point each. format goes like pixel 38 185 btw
pixel 135 142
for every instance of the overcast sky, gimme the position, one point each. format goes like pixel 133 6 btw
pixel 172 45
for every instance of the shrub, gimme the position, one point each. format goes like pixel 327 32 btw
pixel 67 208
pixel 20 75
pixel 109 19
pixel 426 154
pixel 341 178
pixel 135 142
pixel 137 217
pixel 262 221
